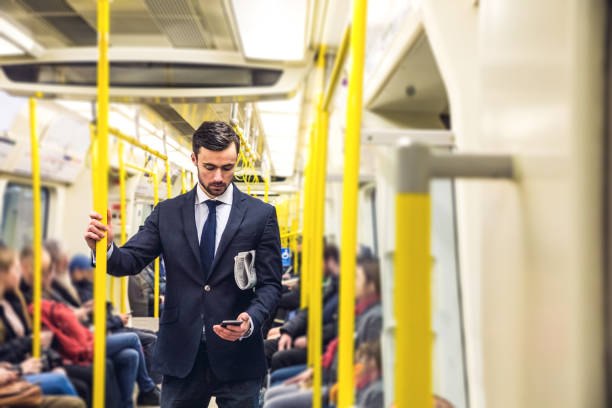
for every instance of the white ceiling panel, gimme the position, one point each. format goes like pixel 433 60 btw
pixel 260 22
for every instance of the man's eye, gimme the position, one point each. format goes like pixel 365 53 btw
pixel 209 167
pixel 228 168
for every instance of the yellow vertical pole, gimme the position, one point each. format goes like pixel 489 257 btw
pixel 312 273
pixel 317 299
pixel 101 205
pixel 183 182
pixel 297 227
pixel 348 250
pixel 306 237
pixel 412 299
pixel 94 158
pixel 37 237
pixel 156 288
pixel 315 307
pixel 168 178
pixel 122 302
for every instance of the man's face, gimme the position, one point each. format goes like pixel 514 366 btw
pixel 215 169
pixel 331 267
pixel 48 269
pixel 27 269
pixel 82 275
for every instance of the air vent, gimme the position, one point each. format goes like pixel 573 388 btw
pixel 64 19
pixel 171 116
pixel 178 19
pixel 144 75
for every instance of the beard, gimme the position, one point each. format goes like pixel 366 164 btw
pixel 214 189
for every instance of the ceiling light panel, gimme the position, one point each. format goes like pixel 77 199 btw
pixel 260 22
pixel 7 48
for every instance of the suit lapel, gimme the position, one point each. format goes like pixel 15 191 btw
pixel 234 221
pixel 189 226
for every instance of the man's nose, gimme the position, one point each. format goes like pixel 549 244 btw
pixel 218 176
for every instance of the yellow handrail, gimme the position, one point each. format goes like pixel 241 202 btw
pixel 122 303
pixel 297 225
pixel 348 251
pixel 101 205
pixel 120 135
pixel 156 284
pixel 338 64
pixel 168 178
pixel 183 181
pixel 290 234
pixel 37 238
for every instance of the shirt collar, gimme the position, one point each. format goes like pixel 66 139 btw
pixel 226 198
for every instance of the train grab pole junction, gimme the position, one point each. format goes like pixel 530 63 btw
pixel 417 166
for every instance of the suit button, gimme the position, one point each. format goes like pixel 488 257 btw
pixel 207 288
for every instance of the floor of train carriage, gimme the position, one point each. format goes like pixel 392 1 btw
pixel 151 323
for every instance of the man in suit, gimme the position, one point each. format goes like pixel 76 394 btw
pixel 197 356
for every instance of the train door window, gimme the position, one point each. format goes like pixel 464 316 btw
pixel 17 214
pixel 450 379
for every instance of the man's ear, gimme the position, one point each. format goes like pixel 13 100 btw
pixel 194 159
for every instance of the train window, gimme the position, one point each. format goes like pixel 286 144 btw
pixel 17 219
pixel 450 379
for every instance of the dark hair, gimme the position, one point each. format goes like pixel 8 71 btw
pixel 215 136
pixel 371 270
pixel 371 349
pixel 331 252
pixel 26 252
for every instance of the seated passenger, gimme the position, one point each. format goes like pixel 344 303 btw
pixel 15 337
pixel 26 257
pixel 81 273
pixel 295 391
pixel 62 287
pixel 124 350
pixel 141 290
pixel 290 348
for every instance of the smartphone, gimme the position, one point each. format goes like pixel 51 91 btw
pixel 226 323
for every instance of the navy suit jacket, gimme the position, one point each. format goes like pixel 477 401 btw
pixel 191 301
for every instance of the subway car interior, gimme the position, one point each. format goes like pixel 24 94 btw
pixel 440 170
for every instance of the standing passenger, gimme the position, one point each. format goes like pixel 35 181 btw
pixel 199 234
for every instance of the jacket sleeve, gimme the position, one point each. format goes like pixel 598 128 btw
pixel 139 251
pixel 297 325
pixel 15 350
pixel 268 267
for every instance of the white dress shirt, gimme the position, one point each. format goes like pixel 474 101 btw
pixel 223 212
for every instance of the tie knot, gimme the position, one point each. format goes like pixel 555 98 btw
pixel 212 205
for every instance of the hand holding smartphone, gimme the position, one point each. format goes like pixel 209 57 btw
pixel 226 323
